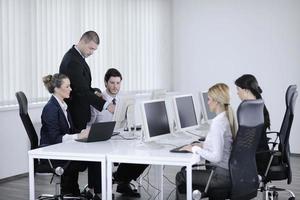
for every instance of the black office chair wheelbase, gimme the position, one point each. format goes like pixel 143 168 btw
pixel 273 193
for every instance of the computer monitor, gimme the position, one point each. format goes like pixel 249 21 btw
pixel 124 112
pixel 185 112
pixel 155 120
pixel 205 112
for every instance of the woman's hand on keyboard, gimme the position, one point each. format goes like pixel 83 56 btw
pixel 197 143
pixel 187 148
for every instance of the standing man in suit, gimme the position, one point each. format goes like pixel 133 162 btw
pixel 83 95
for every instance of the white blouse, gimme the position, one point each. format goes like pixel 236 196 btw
pixel 64 107
pixel 217 145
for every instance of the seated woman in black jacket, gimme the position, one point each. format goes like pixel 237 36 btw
pixel 57 127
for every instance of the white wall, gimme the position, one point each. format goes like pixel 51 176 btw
pixel 217 41
pixel 14 142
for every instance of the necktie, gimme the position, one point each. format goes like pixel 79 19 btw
pixel 114 101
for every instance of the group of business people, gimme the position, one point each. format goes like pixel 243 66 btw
pixel 217 146
pixel 73 107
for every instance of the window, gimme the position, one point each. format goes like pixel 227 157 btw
pixel 135 37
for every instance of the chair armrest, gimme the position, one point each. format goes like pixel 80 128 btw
pixel 264 151
pixel 269 132
pixel 273 144
pixel 212 166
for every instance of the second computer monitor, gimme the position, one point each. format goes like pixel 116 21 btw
pixel 185 113
pixel 155 119
pixel 206 113
pixel 124 112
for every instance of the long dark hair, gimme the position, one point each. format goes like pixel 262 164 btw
pixel 249 82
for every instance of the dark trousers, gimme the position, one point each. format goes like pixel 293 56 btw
pixel 220 179
pixel 94 176
pixel 69 179
pixel 128 172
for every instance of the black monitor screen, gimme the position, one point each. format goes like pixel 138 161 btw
pixel 210 115
pixel 157 118
pixel 186 111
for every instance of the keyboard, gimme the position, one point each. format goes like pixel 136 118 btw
pixel 177 149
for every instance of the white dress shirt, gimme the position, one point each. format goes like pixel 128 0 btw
pixel 217 145
pixel 64 107
pixel 104 115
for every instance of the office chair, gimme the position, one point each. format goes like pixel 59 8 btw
pixel 242 164
pixel 40 166
pixel 279 167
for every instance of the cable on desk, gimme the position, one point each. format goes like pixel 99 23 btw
pixel 193 133
pixel 133 138
pixel 173 145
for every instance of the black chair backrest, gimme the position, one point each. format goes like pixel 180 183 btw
pixel 284 133
pixel 289 113
pixel 242 163
pixel 23 111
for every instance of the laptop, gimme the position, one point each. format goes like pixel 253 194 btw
pixel 100 131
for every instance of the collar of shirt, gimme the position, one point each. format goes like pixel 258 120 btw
pixel 109 98
pixel 79 51
pixel 220 115
pixel 63 104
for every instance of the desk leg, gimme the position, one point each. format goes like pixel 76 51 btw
pixel 189 182
pixel 109 179
pixel 103 179
pixel 31 178
pixel 161 184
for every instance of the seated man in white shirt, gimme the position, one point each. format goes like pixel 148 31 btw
pixel 126 172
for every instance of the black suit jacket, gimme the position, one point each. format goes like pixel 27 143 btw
pixel 54 123
pixel 82 96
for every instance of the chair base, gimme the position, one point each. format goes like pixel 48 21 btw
pixel 272 193
pixel 57 197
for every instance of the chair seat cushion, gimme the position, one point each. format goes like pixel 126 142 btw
pixel 278 172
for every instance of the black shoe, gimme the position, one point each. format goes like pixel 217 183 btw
pixel 96 197
pixel 86 194
pixel 126 190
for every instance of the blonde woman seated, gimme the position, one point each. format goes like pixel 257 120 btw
pixel 217 146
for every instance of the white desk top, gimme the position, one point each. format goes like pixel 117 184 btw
pixel 125 150
pixel 73 151
pixel 148 153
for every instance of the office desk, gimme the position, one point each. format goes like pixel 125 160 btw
pixel 140 153
pixel 70 151
pixel 115 150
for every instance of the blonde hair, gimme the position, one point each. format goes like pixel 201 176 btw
pixel 220 93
